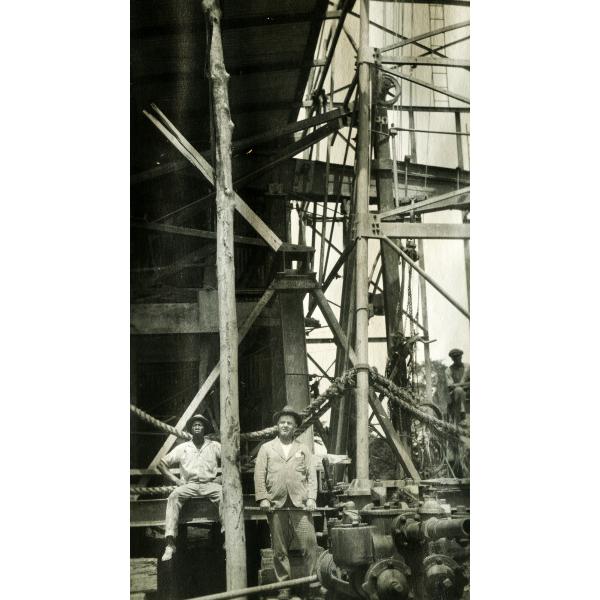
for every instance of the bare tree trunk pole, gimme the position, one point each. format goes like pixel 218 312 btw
pixel 232 513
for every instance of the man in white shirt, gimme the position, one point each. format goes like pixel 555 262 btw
pixel 198 460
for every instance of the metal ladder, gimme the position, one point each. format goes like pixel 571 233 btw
pixel 437 20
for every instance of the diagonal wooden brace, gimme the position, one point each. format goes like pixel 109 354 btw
pixel 197 400
pixel 398 448
pixel 180 142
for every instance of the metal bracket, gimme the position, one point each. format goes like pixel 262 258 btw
pixel 374 226
pixel 364 231
pixel 362 366
pixel 366 55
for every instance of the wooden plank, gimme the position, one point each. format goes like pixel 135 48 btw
pixel 142 575
pixel 426 231
pixel 187 317
pixel 210 380
pixel 402 454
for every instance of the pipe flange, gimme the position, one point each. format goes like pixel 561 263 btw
pixel 373 580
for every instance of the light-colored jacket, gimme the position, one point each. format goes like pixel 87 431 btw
pixel 276 478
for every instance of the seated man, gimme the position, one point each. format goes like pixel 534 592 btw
pixel 198 460
pixel 458 380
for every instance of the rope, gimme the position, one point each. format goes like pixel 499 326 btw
pixel 161 490
pixel 159 424
pixel 404 398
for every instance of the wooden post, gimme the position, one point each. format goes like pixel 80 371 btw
pixel 233 510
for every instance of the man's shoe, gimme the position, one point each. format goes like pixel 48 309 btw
pixel 168 555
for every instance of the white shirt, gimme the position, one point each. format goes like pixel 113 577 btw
pixel 197 465
pixel 286 448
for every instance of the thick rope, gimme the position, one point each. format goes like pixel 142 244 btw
pixel 321 404
pixel 159 424
pixel 405 399
pixel 161 490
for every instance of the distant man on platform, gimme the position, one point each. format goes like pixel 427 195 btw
pixel 458 380
pixel 198 460
pixel 285 482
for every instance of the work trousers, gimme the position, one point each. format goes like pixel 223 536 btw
pixel 458 405
pixel 292 530
pixel 212 491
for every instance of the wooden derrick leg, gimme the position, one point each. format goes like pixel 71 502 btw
pixel 233 516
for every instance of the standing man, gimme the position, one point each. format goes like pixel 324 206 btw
pixel 285 483
pixel 198 460
pixel 458 381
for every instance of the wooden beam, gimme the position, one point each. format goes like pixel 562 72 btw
pixel 402 453
pixel 372 339
pixel 267 136
pixel 441 202
pixel 427 277
pixel 338 335
pixel 419 61
pixel 281 156
pixel 210 380
pixel 423 36
pixel 211 235
pixel 429 86
pixel 187 317
pixel 420 108
pixel 160 170
pixel 179 141
pixel 425 231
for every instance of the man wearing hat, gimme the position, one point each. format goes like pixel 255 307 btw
pixel 285 483
pixel 198 460
pixel 458 380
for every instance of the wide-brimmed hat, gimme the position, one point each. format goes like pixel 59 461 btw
pixel 207 424
pixel 288 410
pixel 455 352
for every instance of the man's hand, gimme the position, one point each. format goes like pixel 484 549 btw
pixel 265 504
pixel 311 504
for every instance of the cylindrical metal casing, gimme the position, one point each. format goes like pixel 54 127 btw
pixel 447 528
pixel 351 545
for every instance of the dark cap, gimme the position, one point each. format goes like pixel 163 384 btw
pixel 288 410
pixel 455 352
pixel 205 421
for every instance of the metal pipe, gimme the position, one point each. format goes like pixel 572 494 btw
pixel 427 278
pixel 267 587
pixel 362 252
